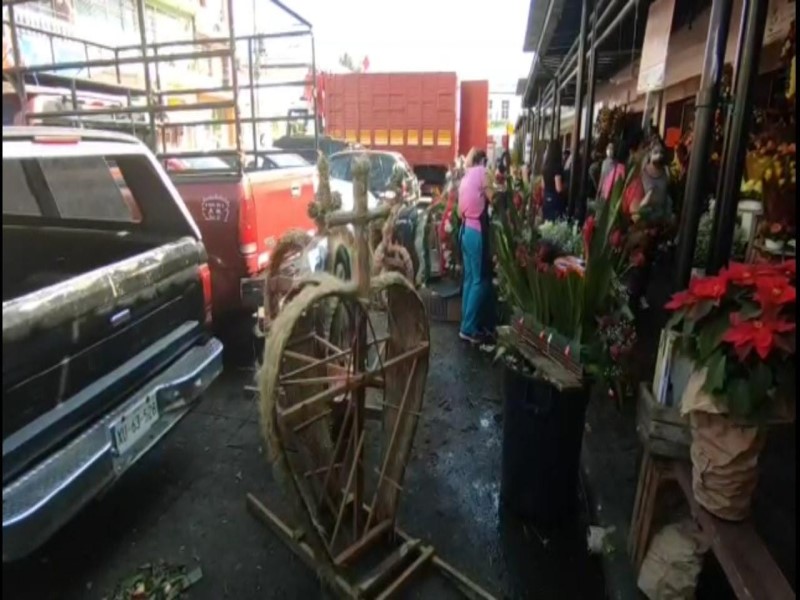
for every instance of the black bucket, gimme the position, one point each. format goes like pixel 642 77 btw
pixel 542 438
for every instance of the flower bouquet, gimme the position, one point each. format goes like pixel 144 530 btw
pixel 776 236
pixel 738 328
pixel 559 300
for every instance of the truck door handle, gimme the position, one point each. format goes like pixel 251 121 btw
pixel 295 190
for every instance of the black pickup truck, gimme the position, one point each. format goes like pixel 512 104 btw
pixel 106 315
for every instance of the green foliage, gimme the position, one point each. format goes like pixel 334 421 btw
pixel 559 295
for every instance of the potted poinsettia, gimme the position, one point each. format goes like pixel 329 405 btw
pixel 739 329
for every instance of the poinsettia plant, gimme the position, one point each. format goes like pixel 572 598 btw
pixel 739 325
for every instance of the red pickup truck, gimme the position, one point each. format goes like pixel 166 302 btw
pixel 241 218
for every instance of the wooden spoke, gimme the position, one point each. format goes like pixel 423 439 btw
pixel 355 551
pixel 388 454
pixel 313 362
pixel 338 378
pixel 322 470
pixel 299 340
pixel 348 487
pixel 312 420
pixel 328 345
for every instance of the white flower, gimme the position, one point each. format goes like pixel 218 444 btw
pixel 448 227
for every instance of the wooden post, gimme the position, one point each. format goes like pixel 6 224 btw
pixel 360 218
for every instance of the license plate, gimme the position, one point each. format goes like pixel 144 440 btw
pixel 134 424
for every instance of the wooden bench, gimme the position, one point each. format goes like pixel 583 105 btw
pixel 745 560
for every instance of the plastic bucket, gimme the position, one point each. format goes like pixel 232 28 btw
pixel 542 437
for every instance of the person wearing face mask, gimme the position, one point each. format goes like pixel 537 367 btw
pixel 650 209
pixel 656 206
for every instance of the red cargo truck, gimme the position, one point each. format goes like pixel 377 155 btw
pixel 473 125
pixel 415 114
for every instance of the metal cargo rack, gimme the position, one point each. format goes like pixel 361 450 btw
pixel 146 108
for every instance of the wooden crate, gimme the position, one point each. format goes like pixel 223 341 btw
pixel 661 429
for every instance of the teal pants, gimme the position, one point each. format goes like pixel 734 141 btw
pixel 475 292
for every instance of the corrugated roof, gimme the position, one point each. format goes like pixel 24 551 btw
pixel 559 32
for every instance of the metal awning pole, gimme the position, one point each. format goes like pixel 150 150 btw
pixel 611 8
pixel 148 84
pixel 754 22
pixel 589 123
pixel 237 116
pixel 17 54
pixel 539 118
pixel 574 201
pixel 706 105
pixel 557 111
pixel 252 57
pixel 317 118
pixel 603 36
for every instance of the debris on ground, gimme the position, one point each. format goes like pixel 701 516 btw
pixel 598 539
pixel 160 581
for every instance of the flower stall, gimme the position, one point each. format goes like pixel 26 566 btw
pixel 446 223
pixel 570 330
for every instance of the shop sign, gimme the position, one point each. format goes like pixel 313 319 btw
pixel 779 18
pixel 652 67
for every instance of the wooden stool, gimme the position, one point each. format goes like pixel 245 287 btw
pixel 750 569
pixel 653 472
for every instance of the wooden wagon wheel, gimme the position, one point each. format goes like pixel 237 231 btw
pixel 300 391
pixel 347 499
pixel 280 274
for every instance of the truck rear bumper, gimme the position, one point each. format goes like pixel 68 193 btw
pixel 45 497
pixel 252 292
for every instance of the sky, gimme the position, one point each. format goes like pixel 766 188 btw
pixel 482 41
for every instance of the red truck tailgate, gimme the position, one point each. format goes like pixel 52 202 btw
pixel 473 125
pixel 410 113
pixel 241 220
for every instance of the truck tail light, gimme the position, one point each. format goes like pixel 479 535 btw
pixel 205 281
pixel 248 241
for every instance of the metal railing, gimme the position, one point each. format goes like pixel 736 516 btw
pixel 150 57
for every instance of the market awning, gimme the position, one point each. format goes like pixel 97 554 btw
pixel 554 28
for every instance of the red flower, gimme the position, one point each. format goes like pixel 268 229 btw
pixel 538 196
pixel 616 351
pixel 615 238
pixel 775 290
pixel 681 300
pixel 741 273
pixel 588 232
pixel 757 334
pixel 518 201
pixel 637 258
pixel 709 288
pixel 788 268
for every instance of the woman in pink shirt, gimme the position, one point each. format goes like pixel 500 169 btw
pixel 472 208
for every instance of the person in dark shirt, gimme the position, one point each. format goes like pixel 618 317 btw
pixel 554 206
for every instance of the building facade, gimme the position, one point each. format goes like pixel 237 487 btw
pixel 61 31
